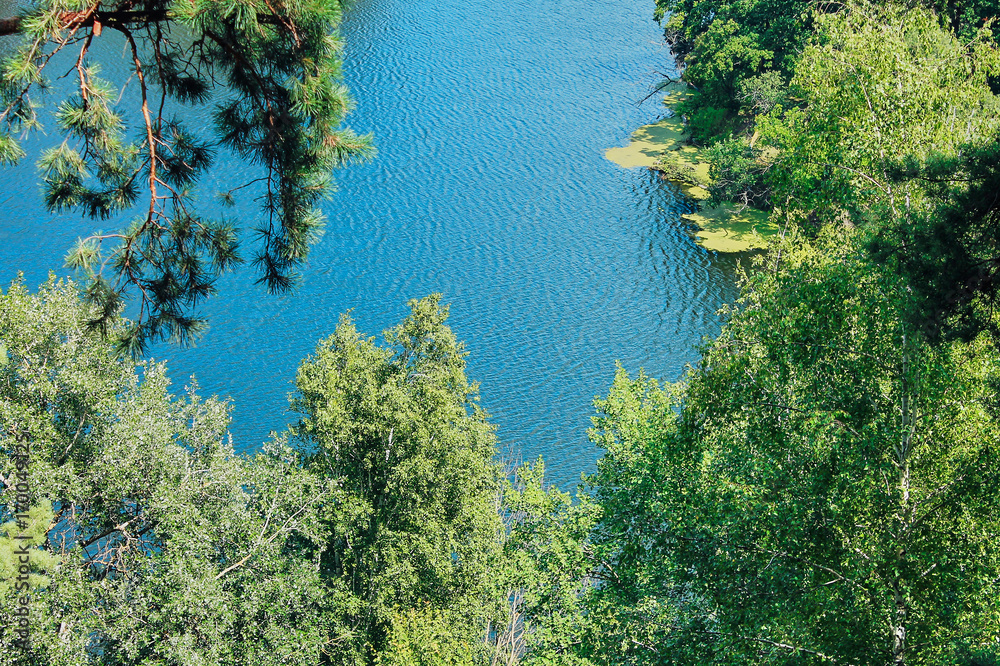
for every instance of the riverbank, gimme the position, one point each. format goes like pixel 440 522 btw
pixel 665 146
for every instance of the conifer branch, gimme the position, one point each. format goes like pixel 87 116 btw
pixel 14 25
pixel 75 20
pixel 282 117
pixel 79 69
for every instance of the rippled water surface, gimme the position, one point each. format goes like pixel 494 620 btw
pixel 490 186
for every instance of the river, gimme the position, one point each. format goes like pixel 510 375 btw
pixel 490 186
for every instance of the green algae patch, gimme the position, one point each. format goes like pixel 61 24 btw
pixel 648 143
pixel 684 166
pixel 663 145
pixel 676 92
pixel 696 192
pixel 730 228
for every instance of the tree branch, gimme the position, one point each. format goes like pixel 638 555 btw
pixel 14 25
pixel 765 641
pixel 260 539
pixel 789 408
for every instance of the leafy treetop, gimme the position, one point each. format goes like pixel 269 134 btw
pixel 416 525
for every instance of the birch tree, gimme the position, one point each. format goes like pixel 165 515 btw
pixel 823 488
pixel 415 534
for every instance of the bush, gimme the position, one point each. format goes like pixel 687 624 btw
pixel 707 123
pixel 739 173
pixel 759 94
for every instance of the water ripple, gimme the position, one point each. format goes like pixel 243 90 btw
pixel 491 120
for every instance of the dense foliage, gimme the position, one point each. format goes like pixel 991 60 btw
pixel 160 545
pixel 876 85
pixel 826 493
pixel 151 542
pixel 822 488
pixel 740 55
pixel 948 252
pixel 415 527
pixel 734 53
pixel 882 116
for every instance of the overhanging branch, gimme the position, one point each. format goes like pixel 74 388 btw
pixel 15 24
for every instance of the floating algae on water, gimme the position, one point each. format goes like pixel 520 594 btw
pixel 662 146
pixel 696 192
pixel 648 143
pixel 663 142
pixel 730 228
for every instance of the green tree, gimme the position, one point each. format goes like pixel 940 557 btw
pixel 739 173
pixel 416 523
pixel 875 84
pixel 723 45
pixel 423 637
pixel 550 570
pixel 823 489
pixel 164 547
pixel 272 70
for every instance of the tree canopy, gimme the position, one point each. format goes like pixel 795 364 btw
pixel 416 527
pixel 375 539
pixel 159 543
pixel 821 489
pixel 272 73
pixel 875 85
pixel 947 252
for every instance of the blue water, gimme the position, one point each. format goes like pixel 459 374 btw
pixel 490 186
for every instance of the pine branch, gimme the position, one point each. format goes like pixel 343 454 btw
pixel 92 19
pixel 14 25
pixel 170 258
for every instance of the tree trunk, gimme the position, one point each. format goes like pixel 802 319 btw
pixel 906 513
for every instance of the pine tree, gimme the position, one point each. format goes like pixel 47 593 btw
pixel 271 69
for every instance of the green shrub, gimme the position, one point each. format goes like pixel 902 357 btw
pixel 738 173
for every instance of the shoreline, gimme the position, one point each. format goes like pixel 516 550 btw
pixel 663 146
